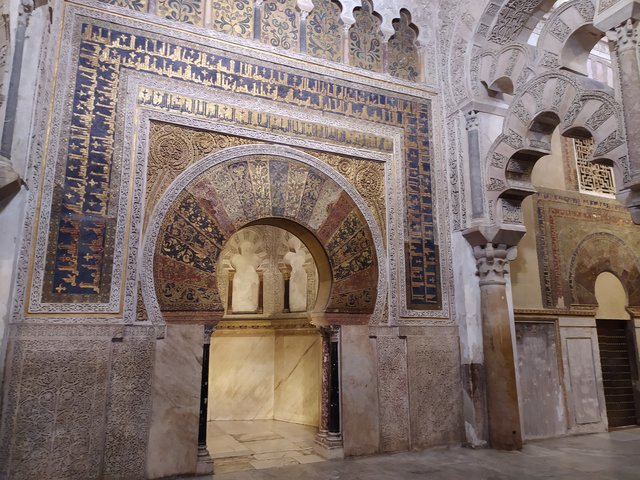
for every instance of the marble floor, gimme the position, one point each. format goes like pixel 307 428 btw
pixel 241 445
pixel 603 456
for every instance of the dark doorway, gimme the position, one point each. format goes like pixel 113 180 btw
pixel 618 360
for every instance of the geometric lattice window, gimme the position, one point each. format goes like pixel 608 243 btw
pixel 592 178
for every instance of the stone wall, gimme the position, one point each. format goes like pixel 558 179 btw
pixel 541 386
pixel 80 402
pixel 97 384
pixel 411 377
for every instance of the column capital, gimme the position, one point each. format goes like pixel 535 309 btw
pixel 305 7
pixel 492 261
pixel 493 248
pixel 626 35
pixel 208 331
pixel 472 122
pixel 612 13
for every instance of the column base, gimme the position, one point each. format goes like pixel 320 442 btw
pixel 329 445
pixel 204 463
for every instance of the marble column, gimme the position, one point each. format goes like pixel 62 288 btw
pixel 231 274
pixel 260 291
pixel 622 19
pixel 286 277
pixel 329 437
pixel 205 462
pixel 500 373
pixel 475 164
pixel 629 73
pixel 323 427
pixel 335 432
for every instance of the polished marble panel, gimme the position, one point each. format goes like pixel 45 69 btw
pixel 173 437
pixel 297 379
pixel 360 420
pixel 241 377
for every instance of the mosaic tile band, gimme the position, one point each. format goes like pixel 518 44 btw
pixel 79 239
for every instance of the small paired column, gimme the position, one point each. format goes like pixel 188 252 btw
pixel 285 270
pixel 329 437
pixel 205 462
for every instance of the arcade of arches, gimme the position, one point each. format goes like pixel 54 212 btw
pixel 236 231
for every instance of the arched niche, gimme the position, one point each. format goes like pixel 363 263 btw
pixel 597 253
pixel 284 272
pixel 611 297
pixel 251 185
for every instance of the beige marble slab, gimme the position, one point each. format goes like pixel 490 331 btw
pixel 224 446
pixel 264 446
pixel 297 379
pixel 173 437
pixel 360 427
pixel 241 377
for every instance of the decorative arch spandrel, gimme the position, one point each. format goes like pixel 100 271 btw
pixel 202 210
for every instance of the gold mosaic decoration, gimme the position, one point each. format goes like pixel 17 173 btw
pixel 233 17
pixel 403 53
pixel 260 120
pixel 187 11
pixel 280 24
pixel 80 252
pixel 367 176
pixel 324 31
pixel 138 5
pixel 172 149
pixel 365 39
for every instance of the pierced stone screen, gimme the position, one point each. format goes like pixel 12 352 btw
pixel 592 178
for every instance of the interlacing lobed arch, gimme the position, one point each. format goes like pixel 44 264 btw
pixel 529 56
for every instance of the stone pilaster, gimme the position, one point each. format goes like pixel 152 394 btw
pixel 622 19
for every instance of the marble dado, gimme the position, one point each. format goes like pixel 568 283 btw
pixel 173 427
pixel 411 380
